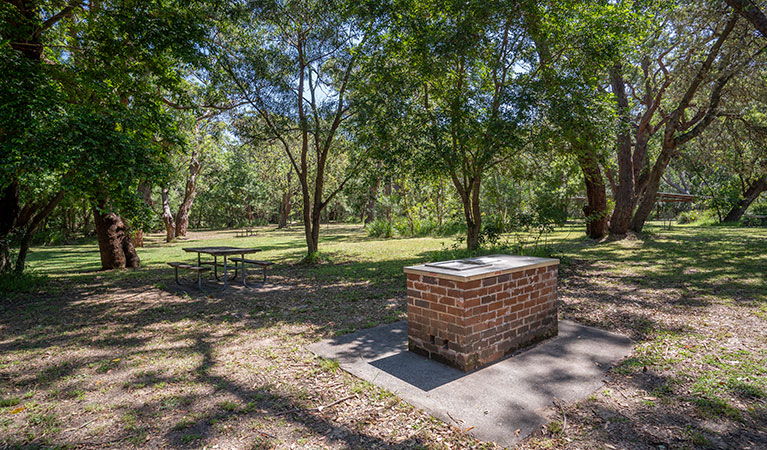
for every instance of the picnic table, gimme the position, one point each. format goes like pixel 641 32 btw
pixel 225 252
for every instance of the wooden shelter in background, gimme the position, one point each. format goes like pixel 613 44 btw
pixel 666 197
pixel 669 197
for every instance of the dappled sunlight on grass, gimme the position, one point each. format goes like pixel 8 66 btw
pixel 126 358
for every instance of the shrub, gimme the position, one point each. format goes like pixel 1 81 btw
pixel 688 217
pixel 21 282
pixel 451 228
pixel 379 228
pixel 402 226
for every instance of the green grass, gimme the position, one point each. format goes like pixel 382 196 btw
pixel 190 369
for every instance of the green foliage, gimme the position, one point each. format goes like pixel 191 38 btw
pixel 686 217
pixel 21 282
pixel 379 228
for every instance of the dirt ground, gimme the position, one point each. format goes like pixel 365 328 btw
pixel 132 361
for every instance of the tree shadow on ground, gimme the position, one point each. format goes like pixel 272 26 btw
pixel 131 343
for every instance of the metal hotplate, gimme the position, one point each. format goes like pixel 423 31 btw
pixel 460 265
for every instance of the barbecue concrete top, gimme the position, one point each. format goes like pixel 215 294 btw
pixel 480 267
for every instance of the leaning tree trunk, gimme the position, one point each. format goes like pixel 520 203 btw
pixel 751 11
pixel 751 194
pixel 115 247
pixel 167 217
pixel 596 196
pixel 649 192
pixel 190 192
pixel 30 227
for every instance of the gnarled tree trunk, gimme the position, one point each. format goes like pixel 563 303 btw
pixel 751 11
pixel 115 247
pixel 752 193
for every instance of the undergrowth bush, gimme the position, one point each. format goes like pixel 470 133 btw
pixel 379 228
pixel 686 217
pixel 28 281
pixel 698 217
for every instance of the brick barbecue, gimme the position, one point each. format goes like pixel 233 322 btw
pixel 468 313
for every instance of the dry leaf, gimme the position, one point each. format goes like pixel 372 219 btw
pixel 516 432
pixel 18 410
pixel 467 430
pixel 115 360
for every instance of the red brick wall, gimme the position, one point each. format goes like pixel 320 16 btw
pixel 468 324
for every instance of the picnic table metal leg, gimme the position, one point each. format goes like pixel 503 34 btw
pixel 176 274
pixel 243 269
pixel 226 276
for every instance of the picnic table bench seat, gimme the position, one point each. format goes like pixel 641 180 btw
pixel 245 232
pixel 199 270
pixel 255 262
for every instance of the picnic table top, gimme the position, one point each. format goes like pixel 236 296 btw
pixel 222 251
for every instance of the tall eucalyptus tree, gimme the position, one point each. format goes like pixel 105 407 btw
pixel 669 92
pixel 451 76
pixel 294 63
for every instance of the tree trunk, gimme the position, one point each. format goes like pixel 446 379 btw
pixel 167 217
pixel 623 194
pixel 751 11
pixel 146 194
pixel 312 231
pixel 285 206
pixel 31 226
pixel 649 193
pixel 182 216
pixel 9 211
pixel 752 193
pixel 190 192
pixel 115 247
pixel 471 210
pixel 596 195
pixel 440 204
pixel 370 208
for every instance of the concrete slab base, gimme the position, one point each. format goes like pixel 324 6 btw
pixel 512 394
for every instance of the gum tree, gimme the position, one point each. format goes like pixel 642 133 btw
pixel 669 93
pixel 294 63
pixel 81 111
pixel 451 76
